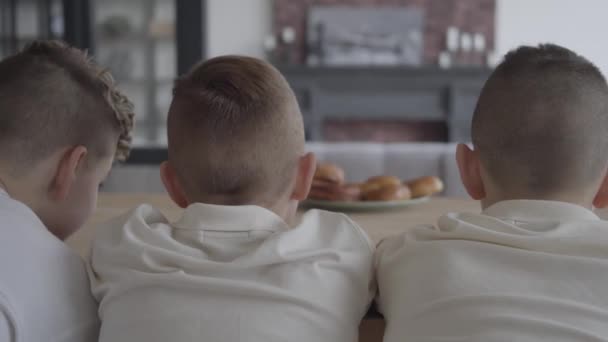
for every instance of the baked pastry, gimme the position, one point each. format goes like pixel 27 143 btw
pixel 323 184
pixel 330 173
pixel 329 185
pixel 425 186
pixel 390 192
pixel 333 192
pixel 378 182
pixel 384 180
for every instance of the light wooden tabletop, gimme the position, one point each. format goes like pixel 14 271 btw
pixel 377 224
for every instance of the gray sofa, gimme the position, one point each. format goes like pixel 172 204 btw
pixel 360 161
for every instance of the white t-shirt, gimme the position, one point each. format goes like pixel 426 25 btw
pixel 229 274
pixel 520 271
pixel 44 290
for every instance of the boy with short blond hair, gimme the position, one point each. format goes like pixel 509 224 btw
pixel 62 123
pixel 533 266
pixel 231 268
pixel 218 111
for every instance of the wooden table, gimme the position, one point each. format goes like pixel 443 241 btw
pixel 377 224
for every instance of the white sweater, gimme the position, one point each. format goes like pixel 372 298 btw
pixel 520 271
pixel 44 290
pixel 229 274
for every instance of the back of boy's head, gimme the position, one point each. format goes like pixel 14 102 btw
pixel 541 122
pixel 53 96
pixel 235 132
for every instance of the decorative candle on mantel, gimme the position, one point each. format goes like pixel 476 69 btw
pixel 466 44
pixel 445 60
pixel 270 47
pixel 288 37
pixel 479 46
pixel 452 38
pixel 479 42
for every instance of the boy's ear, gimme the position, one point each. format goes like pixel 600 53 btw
pixel 174 189
pixel 470 173
pixel 601 198
pixel 307 165
pixel 65 174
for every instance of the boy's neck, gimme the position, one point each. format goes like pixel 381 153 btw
pixel 491 200
pixel 21 189
pixel 287 211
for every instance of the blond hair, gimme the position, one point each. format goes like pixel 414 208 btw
pixel 235 132
pixel 53 95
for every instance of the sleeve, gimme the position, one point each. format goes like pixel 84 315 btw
pixel 368 246
pixel 367 242
pixel 8 322
pixel 385 251
pixel 406 266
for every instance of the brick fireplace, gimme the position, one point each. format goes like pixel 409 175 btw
pixel 467 15
pixel 395 103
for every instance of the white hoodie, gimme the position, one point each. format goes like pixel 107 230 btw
pixel 520 271
pixel 230 274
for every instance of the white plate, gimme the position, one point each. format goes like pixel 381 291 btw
pixel 361 205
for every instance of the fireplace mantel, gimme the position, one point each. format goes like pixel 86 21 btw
pixel 387 93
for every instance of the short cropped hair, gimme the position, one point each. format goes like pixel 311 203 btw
pixel 235 132
pixel 541 122
pixel 52 96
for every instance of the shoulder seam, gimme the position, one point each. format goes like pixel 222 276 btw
pixel 365 239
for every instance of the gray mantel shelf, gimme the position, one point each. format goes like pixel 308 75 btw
pixel 393 93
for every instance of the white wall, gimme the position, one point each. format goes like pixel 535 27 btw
pixel 579 25
pixel 238 26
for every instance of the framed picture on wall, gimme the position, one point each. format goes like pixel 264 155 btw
pixel 341 35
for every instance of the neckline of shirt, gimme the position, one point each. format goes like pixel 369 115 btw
pixel 539 210
pixel 212 217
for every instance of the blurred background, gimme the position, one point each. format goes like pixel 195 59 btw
pixel 371 72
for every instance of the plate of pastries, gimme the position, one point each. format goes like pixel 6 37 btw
pixel 331 191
